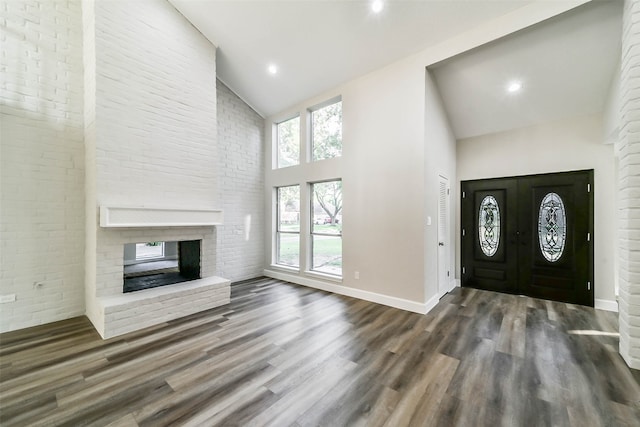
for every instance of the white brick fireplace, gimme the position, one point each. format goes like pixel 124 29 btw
pixel 150 144
pixel 116 313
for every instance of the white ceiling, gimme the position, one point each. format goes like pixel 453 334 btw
pixel 318 45
pixel 566 66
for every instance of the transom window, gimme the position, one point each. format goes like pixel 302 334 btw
pixel 326 132
pixel 288 142
pixel 326 227
pixel 288 226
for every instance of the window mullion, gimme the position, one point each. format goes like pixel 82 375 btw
pixel 305 137
pixel 305 230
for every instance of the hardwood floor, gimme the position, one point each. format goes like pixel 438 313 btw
pixel 282 354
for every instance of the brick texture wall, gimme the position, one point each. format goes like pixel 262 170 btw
pixel 41 162
pixel 629 187
pixel 241 184
pixel 155 107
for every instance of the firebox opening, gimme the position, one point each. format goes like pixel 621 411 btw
pixel 152 264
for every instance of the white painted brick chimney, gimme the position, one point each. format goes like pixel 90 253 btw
pixel 150 132
pixel 629 187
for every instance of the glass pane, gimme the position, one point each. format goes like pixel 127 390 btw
pixel 552 227
pixel 326 125
pixel 327 254
pixel 288 246
pixel 149 250
pixel 288 134
pixel 327 207
pixel 489 226
pixel 289 208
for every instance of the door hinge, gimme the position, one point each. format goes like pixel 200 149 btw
pixel 464 270
pixel 464 194
pixel 588 237
pixel 447 274
pixel 448 191
pixel 588 188
pixel 463 232
pixel 588 286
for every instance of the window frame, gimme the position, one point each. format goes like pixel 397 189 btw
pixel 310 140
pixel 277 140
pixel 279 232
pixel 313 233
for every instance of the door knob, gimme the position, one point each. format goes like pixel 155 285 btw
pixel 440 243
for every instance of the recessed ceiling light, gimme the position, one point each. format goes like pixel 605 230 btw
pixel 514 87
pixel 377 6
pixel 272 69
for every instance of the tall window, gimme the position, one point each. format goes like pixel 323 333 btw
pixel 288 226
pixel 288 136
pixel 326 227
pixel 326 132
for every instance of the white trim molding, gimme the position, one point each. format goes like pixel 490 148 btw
pixel 605 304
pixel 395 302
pixel 140 216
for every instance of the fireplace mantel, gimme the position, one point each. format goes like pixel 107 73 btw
pixel 137 217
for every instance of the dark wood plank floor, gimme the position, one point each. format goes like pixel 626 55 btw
pixel 282 355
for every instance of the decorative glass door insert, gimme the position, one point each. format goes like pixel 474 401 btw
pixel 552 227
pixel 489 226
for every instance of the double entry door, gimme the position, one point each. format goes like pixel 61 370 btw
pixel 530 235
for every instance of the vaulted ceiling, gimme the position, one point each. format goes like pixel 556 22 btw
pixel 565 64
pixel 318 45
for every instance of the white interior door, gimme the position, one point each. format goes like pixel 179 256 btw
pixel 444 270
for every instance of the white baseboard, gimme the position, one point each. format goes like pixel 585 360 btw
pixel 605 304
pixel 401 303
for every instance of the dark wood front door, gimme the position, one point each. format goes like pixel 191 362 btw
pixel 530 235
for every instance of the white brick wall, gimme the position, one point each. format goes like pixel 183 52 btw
pixel 155 107
pixel 241 184
pixel 41 162
pixel 629 186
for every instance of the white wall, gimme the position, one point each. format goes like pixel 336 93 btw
pixel 612 109
pixel 382 171
pixel 42 162
pixel 566 145
pixel 440 160
pixel 241 186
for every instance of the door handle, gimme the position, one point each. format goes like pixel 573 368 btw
pixel 440 243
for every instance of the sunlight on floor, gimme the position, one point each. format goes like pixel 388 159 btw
pixel 594 333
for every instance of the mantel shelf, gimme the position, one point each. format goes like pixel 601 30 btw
pixel 140 217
